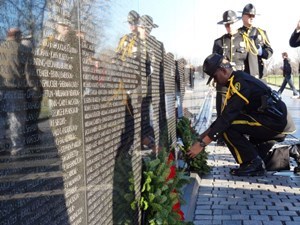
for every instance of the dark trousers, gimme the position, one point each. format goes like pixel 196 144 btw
pixel 220 99
pixel 13 107
pixel 246 139
pixel 288 80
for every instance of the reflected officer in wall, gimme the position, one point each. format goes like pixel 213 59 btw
pixel 34 96
pixel 128 45
pixel 13 85
pixel 145 27
pixel 257 43
pixel 63 34
pixel 128 55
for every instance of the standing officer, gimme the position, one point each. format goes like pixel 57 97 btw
pixel 295 37
pixel 257 43
pixel 253 114
pixel 232 46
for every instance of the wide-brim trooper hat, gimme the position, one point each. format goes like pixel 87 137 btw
pixel 146 21
pixel 229 17
pixel 211 64
pixel 133 17
pixel 249 9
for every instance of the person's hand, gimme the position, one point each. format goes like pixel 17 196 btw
pixel 259 50
pixel 195 150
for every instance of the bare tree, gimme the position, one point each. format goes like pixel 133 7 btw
pixel 28 15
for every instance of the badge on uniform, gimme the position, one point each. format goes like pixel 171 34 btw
pixel 237 86
pixel 259 37
pixel 242 44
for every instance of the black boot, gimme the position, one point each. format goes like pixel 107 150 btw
pixel 297 170
pixel 295 154
pixel 255 167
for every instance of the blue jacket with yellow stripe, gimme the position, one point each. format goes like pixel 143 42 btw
pixel 244 97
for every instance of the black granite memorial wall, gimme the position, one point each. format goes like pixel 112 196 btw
pixel 88 95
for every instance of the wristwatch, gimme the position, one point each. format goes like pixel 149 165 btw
pixel 202 143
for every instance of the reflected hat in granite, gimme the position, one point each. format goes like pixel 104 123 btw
pixel 229 17
pixel 133 17
pixel 147 21
pixel 211 64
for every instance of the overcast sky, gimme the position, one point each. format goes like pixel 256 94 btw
pixel 189 27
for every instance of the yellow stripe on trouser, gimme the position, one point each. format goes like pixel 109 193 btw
pixel 237 154
pixel 253 124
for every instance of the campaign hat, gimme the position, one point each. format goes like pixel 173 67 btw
pixel 147 21
pixel 249 9
pixel 229 17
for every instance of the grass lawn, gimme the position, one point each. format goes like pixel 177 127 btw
pixel 277 80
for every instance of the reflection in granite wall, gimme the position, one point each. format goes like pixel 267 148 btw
pixel 82 97
pixel 180 85
pixel 169 81
pixel 182 75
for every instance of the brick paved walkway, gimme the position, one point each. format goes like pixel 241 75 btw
pixel 224 199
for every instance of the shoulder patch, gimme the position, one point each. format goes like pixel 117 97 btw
pixel 237 86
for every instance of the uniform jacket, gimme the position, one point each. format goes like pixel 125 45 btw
pixel 253 37
pixel 233 48
pixel 295 39
pixel 13 59
pixel 246 99
pixel 129 47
